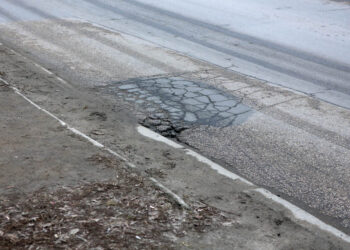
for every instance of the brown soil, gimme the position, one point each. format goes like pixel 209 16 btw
pixel 128 213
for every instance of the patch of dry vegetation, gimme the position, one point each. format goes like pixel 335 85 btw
pixel 130 213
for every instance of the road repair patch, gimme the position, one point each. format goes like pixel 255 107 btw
pixel 173 104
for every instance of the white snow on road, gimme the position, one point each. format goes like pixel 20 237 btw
pixel 299 24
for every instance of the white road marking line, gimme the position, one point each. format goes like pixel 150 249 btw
pixel 302 215
pixel 298 213
pixel 217 167
pixel 120 157
pixel 88 138
pixel 167 190
pixel 63 81
pixel 35 105
pixel 40 67
pixel 48 72
pixel 64 124
pixel 153 135
pixel 149 133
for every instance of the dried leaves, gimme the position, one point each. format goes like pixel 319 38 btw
pixel 130 213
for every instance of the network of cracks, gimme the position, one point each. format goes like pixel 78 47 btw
pixel 172 104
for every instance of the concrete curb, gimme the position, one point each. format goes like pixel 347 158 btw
pixel 298 213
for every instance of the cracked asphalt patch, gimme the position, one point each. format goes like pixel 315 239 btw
pixel 173 104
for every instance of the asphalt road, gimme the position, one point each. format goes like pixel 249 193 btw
pixel 302 48
pixel 292 143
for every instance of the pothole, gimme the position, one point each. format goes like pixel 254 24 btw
pixel 172 104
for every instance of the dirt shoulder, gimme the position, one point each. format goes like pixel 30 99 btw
pixel 58 190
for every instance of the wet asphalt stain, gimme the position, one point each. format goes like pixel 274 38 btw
pixel 172 104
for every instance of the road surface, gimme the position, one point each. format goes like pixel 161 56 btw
pixel 302 45
pixel 261 87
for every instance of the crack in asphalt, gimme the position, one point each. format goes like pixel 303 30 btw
pixel 173 104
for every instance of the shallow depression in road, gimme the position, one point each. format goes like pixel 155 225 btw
pixel 182 101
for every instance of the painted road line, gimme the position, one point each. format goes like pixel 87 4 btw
pixel 151 134
pixel 217 167
pixel 41 67
pixel 179 200
pixel 221 170
pixel 302 215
